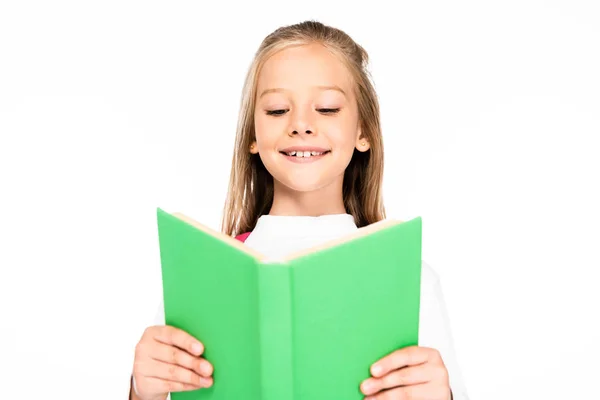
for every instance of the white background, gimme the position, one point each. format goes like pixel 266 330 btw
pixel 491 117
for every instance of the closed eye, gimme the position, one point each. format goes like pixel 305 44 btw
pixel 328 110
pixel 276 112
pixel 321 110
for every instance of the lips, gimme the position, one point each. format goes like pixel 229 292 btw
pixel 304 151
pixel 304 154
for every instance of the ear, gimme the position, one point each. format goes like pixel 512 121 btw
pixel 362 143
pixel 253 147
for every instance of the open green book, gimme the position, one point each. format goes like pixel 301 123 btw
pixel 305 327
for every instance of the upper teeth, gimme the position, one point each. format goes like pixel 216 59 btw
pixel 304 153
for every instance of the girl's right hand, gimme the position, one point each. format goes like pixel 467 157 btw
pixel 167 360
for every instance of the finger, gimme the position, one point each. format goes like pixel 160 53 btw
pixel 412 375
pixel 407 356
pixel 177 337
pixel 166 386
pixel 415 392
pixel 171 372
pixel 174 355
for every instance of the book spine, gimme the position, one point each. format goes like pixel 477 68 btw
pixel 275 311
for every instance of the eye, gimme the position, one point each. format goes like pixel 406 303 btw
pixel 321 110
pixel 276 112
pixel 328 110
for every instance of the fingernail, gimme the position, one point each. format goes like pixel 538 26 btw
pixel 366 387
pixel 207 369
pixel 376 369
pixel 197 348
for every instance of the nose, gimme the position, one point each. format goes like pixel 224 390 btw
pixel 300 123
pixel 307 131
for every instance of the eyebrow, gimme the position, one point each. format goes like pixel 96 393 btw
pixel 321 87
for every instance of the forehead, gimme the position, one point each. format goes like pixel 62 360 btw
pixel 303 67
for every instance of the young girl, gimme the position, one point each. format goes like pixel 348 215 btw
pixel 307 168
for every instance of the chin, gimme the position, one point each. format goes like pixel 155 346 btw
pixel 305 184
pixel 303 187
pixel 304 178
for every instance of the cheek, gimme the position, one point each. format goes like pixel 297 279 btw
pixel 342 136
pixel 266 130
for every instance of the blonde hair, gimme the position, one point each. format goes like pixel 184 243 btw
pixel 250 193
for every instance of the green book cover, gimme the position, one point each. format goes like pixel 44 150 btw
pixel 305 327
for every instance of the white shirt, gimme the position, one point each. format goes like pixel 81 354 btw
pixel 277 236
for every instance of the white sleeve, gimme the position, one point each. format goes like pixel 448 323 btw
pixel 159 318
pixel 434 329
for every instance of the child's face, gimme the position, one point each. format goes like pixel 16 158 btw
pixel 300 111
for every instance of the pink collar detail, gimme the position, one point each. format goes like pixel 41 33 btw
pixel 242 237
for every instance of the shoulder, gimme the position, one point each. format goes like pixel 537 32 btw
pixel 430 281
pixel 242 237
pixel 428 274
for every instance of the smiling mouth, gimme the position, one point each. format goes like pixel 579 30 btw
pixel 304 154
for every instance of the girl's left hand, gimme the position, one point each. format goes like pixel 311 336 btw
pixel 416 373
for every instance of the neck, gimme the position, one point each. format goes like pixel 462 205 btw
pixel 324 201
